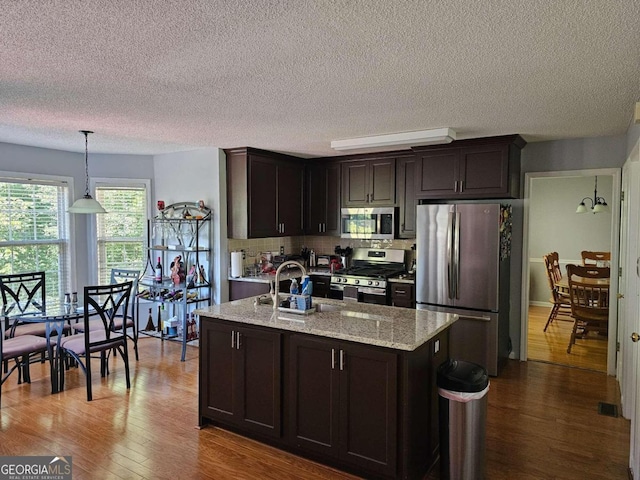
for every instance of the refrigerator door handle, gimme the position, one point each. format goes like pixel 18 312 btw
pixel 450 264
pixel 456 254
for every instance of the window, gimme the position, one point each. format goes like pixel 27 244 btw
pixel 122 232
pixel 34 231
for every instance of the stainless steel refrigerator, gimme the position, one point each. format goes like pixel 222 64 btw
pixel 463 267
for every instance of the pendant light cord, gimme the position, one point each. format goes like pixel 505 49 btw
pixel 86 160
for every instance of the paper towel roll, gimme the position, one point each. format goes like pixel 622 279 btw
pixel 236 264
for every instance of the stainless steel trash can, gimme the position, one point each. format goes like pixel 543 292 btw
pixel 462 392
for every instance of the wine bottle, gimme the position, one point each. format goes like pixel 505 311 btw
pixel 158 276
pixel 149 322
pixel 159 326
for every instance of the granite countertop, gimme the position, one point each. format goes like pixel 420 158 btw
pixel 391 327
pixel 405 278
pixel 284 275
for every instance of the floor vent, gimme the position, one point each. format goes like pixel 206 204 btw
pixel 608 409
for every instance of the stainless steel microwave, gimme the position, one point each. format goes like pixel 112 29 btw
pixel 372 223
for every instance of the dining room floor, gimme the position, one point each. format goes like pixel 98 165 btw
pixel 551 346
pixel 542 423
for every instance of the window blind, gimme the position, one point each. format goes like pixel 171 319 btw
pixel 34 231
pixel 122 232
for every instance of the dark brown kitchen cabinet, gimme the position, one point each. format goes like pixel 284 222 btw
pixel 403 295
pixel 243 383
pixel 407 200
pixel 368 409
pixel 369 182
pixel 321 285
pixel 343 402
pixel 478 168
pixel 265 194
pixel 323 198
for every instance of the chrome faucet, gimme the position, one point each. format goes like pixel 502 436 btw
pixel 275 290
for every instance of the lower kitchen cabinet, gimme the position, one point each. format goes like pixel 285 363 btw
pixel 403 295
pixel 240 289
pixel 243 382
pixel 343 402
pixel 366 409
pixel 321 285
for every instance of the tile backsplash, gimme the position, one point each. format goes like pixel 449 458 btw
pixel 320 244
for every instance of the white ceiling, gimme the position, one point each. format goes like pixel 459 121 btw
pixel 153 77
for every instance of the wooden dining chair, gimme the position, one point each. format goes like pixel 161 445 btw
pixel 106 302
pixel 589 300
pixel 561 305
pixel 597 259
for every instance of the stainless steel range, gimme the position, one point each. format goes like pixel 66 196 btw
pixel 366 279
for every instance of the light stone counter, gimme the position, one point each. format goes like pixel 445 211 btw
pixel 286 274
pixel 391 327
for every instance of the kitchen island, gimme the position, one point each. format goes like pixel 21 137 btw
pixel 352 385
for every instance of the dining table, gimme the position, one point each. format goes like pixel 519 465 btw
pixel 55 317
pixel 563 284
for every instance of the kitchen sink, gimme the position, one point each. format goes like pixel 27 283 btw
pixel 326 307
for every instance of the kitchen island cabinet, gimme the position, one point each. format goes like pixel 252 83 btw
pixel 343 401
pixel 357 381
pixel 244 368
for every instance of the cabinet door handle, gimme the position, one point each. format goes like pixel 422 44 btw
pixel 455 186
pixel 333 359
pixel 283 228
pixel 401 292
pixel 461 186
pixel 238 344
pixel 320 228
pixel 233 339
pixel 341 359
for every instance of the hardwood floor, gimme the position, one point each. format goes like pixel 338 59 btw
pixel 542 423
pixel 551 346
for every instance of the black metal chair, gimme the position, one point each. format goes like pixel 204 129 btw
pixel 107 302
pixel 23 294
pixel 21 349
pixel 120 275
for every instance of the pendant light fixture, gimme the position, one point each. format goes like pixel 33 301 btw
pixel 86 204
pixel 598 204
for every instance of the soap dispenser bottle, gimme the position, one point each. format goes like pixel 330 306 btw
pixel 293 289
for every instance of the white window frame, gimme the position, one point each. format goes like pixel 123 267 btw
pixel 59 180
pixel 115 183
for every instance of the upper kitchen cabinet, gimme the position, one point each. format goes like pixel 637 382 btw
pixel 369 182
pixel 407 201
pixel 323 198
pixel 264 194
pixel 477 168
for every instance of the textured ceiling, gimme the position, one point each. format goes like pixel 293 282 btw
pixel 290 75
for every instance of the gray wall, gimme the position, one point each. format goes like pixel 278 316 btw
pixel 24 159
pixel 557 155
pixel 199 175
pixel 554 225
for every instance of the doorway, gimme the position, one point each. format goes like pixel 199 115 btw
pixel 551 224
